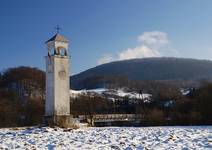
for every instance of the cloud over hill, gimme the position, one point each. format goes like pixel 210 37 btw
pixel 151 44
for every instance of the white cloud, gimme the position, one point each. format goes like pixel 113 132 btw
pixel 151 44
pixel 105 59
pixel 138 52
pixel 154 39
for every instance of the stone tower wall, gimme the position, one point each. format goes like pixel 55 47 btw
pixel 57 85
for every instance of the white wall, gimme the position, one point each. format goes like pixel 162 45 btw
pixel 57 85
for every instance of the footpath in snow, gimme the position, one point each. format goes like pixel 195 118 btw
pixel 128 138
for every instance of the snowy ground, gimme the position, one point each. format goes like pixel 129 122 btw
pixel 108 138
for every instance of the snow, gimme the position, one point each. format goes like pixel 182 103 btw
pixel 122 93
pixel 185 92
pixel 107 138
pixel 119 92
pixel 98 91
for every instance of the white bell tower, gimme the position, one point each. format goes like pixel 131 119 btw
pixel 57 106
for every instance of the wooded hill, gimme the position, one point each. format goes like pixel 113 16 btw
pixel 145 69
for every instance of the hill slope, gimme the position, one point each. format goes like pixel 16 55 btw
pixel 163 68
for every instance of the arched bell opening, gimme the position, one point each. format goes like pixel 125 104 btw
pixel 53 52
pixel 62 51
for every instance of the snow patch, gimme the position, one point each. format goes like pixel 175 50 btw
pixel 120 93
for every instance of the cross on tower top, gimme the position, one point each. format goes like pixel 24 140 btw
pixel 58 28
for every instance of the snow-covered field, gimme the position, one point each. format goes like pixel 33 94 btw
pixel 108 138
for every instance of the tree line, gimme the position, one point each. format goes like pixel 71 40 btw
pixel 168 106
pixel 22 100
pixel 21 96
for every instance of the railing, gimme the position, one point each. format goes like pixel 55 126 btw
pixel 113 117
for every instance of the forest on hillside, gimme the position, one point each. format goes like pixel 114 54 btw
pixel 22 99
pixel 184 71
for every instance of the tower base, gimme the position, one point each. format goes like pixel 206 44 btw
pixel 63 121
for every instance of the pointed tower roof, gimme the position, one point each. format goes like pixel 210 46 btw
pixel 57 37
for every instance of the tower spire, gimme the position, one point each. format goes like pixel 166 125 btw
pixel 58 29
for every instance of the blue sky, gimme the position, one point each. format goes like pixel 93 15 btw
pixel 104 30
